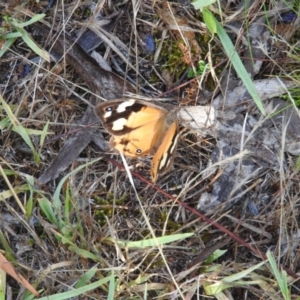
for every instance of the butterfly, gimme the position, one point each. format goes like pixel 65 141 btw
pixel 141 128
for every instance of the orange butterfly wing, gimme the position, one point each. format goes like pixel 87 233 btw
pixel 138 142
pixel 141 128
pixel 134 125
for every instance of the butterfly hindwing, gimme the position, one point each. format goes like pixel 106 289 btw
pixel 138 142
pixel 165 153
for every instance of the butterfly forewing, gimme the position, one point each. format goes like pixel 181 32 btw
pixel 120 117
pixel 141 128
pixel 134 125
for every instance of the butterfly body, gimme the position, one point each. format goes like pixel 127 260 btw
pixel 140 128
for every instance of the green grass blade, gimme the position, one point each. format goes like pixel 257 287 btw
pixel 56 195
pixel 29 204
pixel 216 254
pixel 153 242
pixel 20 129
pixel 11 35
pixel 26 138
pixel 33 20
pixel 33 46
pixel 79 291
pixel 6 46
pixel 280 278
pixel 46 207
pixel 215 27
pixel 237 279
pixel 44 134
pixel 86 278
pixel 5 194
pixel 112 287
pixel 199 4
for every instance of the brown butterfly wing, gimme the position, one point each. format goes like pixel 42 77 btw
pixel 164 154
pixel 134 124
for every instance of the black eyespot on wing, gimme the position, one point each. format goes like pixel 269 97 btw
pixel 139 151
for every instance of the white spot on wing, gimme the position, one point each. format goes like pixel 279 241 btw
pixel 122 106
pixel 107 114
pixel 119 124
